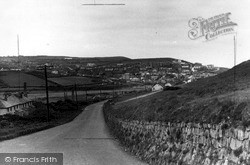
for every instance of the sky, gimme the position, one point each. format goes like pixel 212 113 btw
pixel 139 29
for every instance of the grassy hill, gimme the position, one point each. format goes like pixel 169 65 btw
pixel 66 60
pixel 222 98
pixel 237 78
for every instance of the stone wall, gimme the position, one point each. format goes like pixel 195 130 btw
pixel 182 143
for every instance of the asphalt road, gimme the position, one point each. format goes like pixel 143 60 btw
pixel 138 97
pixel 84 141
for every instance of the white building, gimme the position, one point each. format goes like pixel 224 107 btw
pixel 210 66
pixel 157 87
pixel 54 72
pixel 91 64
pixel 12 103
pixel 168 85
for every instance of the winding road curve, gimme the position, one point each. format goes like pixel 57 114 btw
pixel 84 141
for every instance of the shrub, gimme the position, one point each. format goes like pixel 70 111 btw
pixel 4 123
pixel 238 151
pixel 61 106
pixel 40 113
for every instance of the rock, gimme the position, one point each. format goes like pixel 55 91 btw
pixel 222 153
pixel 233 158
pixel 240 134
pixel 219 162
pixel 225 162
pixel 207 161
pixel 220 133
pixel 246 135
pixel 233 144
pixel 238 143
pixel 246 145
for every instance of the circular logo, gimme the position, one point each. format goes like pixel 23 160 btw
pixel 8 159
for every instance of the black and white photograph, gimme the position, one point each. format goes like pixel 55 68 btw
pixel 124 82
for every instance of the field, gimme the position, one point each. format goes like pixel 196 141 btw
pixel 64 81
pixel 16 79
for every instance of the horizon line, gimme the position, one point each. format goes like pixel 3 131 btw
pixel 102 4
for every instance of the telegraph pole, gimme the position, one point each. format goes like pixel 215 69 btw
pixel 47 91
pixel 234 67
pixel 76 97
pixel 100 89
pixel 86 94
pixel 113 90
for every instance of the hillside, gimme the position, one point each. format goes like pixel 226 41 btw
pixel 61 59
pixel 210 100
pixel 157 60
pixel 237 78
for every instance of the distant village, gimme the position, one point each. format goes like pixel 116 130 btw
pixel 166 71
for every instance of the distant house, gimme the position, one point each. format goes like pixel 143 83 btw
pixel 134 79
pixel 91 64
pixel 210 66
pixel 154 77
pixel 197 66
pixel 54 72
pixel 167 85
pixel 186 71
pixel 109 69
pixel 126 76
pixel 185 66
pixel 157 87
pixel 67 58
pixel 14 103
pixel 119 64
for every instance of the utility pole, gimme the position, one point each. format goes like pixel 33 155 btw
pixel 113 90
pixel 47 91
pixel 86 94
pixel 234 58
pixel 234 67
pixel 76 98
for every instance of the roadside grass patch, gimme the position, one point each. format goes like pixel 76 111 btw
pixel 175 106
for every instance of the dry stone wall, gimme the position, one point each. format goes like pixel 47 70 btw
pixel 182 143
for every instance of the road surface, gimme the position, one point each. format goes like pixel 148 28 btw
pixel 84 141
pixel 138 97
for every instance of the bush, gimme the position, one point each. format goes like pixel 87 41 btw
pixel 11 117
pixel 40 113
pixel 4 123
pixel 66 105
pixel 171 88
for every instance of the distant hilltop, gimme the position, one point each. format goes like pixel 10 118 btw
pixel 47 57
pixel 84 60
